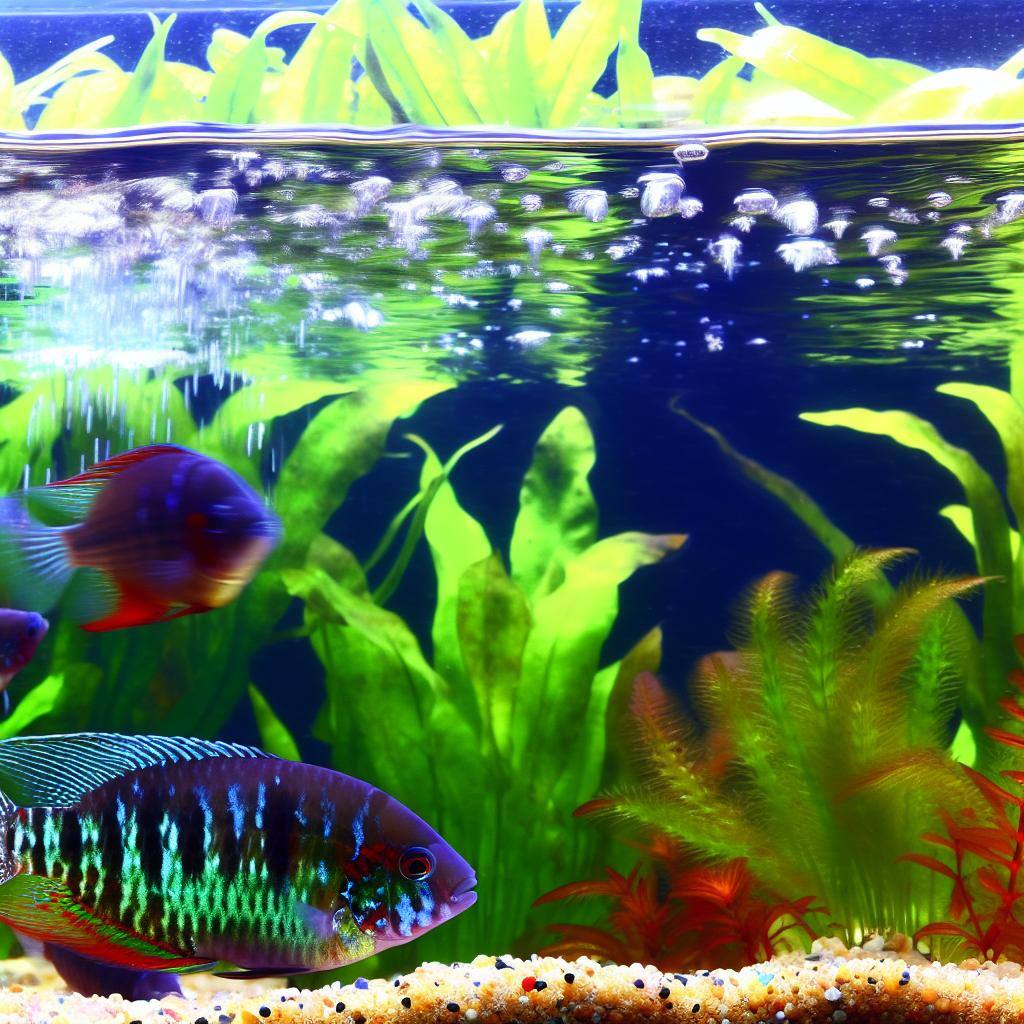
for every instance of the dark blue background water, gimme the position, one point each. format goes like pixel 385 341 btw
pixel 935 33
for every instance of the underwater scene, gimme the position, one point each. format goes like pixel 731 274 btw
pixel 511 512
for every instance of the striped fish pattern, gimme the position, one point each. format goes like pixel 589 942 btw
pixel 235 861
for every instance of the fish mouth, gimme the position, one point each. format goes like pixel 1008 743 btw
pixel 464 894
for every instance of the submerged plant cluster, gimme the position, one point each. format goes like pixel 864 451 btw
pixel 374 63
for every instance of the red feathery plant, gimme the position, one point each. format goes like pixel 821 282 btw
pixel 986 855
pixel 679 915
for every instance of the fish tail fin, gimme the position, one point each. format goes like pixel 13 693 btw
pixel 35 560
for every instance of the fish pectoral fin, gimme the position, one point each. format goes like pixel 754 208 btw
pixel 43 908
pixel 92 595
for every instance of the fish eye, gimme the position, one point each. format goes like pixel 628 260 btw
pixel 417 864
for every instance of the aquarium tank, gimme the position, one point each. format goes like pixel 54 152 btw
pixel 528 487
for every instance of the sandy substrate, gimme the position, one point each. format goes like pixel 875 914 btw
pixel 831 985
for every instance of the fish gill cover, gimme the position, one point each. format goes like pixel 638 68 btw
pixel 377 63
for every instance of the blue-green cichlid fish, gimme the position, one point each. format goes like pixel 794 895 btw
pixel 143 856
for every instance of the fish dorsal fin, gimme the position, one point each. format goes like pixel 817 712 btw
pixel 54 771
pixel 60 506
pixel 43 908
pixel 102 471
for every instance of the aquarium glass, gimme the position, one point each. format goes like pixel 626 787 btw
pixel 596 427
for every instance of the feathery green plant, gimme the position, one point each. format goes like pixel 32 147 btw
pixel 825 753
pixel 502 732
pixel 989 521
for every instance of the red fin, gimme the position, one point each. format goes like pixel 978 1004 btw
pixel 44 909
pixel 133 608
pixel 103 471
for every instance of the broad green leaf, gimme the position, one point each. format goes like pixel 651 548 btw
pixel 378 682
pixel 518 53
pixel 84 102
pixel 264 402
pixel 82 59
pixel 906 72
pixel 456 542
pixel 10 111
pixel 422 508
pixel 413 66
pixel 955 95
pixel 604 764
pixel 464 61
pixel 274 735
pixel 564 647
pixel 633 72
pixel 794 497
pixel 1014 66
pixel 991 528
pixel 195 80
pixel 768 101
pixel 840 77
pixel 341 443
pixel 557 513
pixel 1006 416
pixel 577 58
pixel 130 108
pixel 493 621
pixel 238 82
pixel 314 87
pixel 38 702
pixel 718 91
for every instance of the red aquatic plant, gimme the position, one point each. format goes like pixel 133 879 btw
pixel 680 915
pixel 985 855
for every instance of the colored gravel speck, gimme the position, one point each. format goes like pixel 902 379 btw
pixel 833 995
pixel 452 1007
pixel 339 1008
pixel 663 993
pixel 362 983
pixel 407 1002
pixel 639 983
pixel 264 1011
pixel 529 983
pixel 540 986
pixel 569 978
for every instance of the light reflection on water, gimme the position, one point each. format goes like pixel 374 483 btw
pixel 508 265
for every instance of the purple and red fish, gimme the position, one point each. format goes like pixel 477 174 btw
pixel 149 535
pixel 21 633
pixel 132 858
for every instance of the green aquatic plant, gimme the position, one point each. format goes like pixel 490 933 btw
pixel 500 732
pixel 824 751
pixel 988 521
pixel 363 62
pixel 800 78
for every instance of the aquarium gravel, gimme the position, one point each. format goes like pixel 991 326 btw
pixel 832 983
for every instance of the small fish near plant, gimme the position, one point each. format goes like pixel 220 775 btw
pixel 680 915
pixel 823 755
